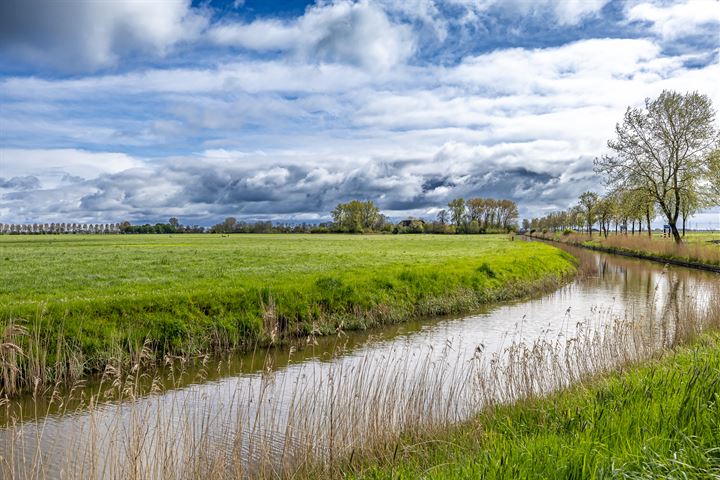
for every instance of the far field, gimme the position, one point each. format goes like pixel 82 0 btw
pixel 104 295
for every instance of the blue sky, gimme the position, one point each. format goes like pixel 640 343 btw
pixel 279 110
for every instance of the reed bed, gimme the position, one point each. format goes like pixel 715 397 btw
pixel 328 418
pixel 641 245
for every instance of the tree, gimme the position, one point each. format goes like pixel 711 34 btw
pixel 714 176
pixel 663 149
pixel 457 212
pixel 357 216
pixel 442 217
pixel 605 209
pixel 588 204
pixel 689 205
pixel 507 214
pixel 476 207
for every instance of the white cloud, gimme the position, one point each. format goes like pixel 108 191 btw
pixel 52 166
pixel 564 12
pixel 675 20
pixel 358 33
pixel 339 114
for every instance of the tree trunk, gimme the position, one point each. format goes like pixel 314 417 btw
pixel 675 232
pixel 647 217
pixel 683 234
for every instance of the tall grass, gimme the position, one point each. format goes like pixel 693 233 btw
pixel 642 245
pixel 332 417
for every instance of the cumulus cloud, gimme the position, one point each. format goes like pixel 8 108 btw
pixel 567 12
pixel 54 166
pixel 333 105
pixel 205 186
pixel 341 32
pixel 671 21
pixel 75 35
pixel 27 182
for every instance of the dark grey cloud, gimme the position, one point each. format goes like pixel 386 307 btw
pixel 210 191
pixel 27 182
pixel 79 35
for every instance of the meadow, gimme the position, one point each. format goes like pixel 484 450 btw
pixel 70 304
pixel 621 393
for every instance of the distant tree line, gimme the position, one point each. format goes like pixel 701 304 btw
pixel 173 226
pixel 476 215
pixel 57 228
pixel 480 215
pixel 618 211
pixel 664 161
pixel 232 225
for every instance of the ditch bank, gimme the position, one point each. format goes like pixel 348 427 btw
pixel 632 254
pixel 49 345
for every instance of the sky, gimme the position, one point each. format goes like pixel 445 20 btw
pixel 143 110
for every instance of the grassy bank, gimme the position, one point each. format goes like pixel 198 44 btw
pixel 73 303
pixel 697 248
pixel 658 420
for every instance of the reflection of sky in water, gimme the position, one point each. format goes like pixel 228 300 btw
pixel 372 370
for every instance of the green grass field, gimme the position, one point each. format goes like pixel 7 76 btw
pixel 658 420
pixel 705 238
pixel 89 298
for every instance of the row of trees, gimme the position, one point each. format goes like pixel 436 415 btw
pixel 476 215
pixel 479 215
pixel 619 211
pixel 232 225
pixel 173 226
pixel 58 228
pixel 664 161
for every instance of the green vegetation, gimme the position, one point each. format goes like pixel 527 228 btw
pixel 664 162
pixel 72 303
pixel 658 420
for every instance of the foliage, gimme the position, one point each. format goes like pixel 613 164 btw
pixel 482 215
pixel 357 217
pixel 663 150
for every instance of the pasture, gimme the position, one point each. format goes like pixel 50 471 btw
pixel 74 302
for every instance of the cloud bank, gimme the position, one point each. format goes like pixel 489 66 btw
pixel 143 112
